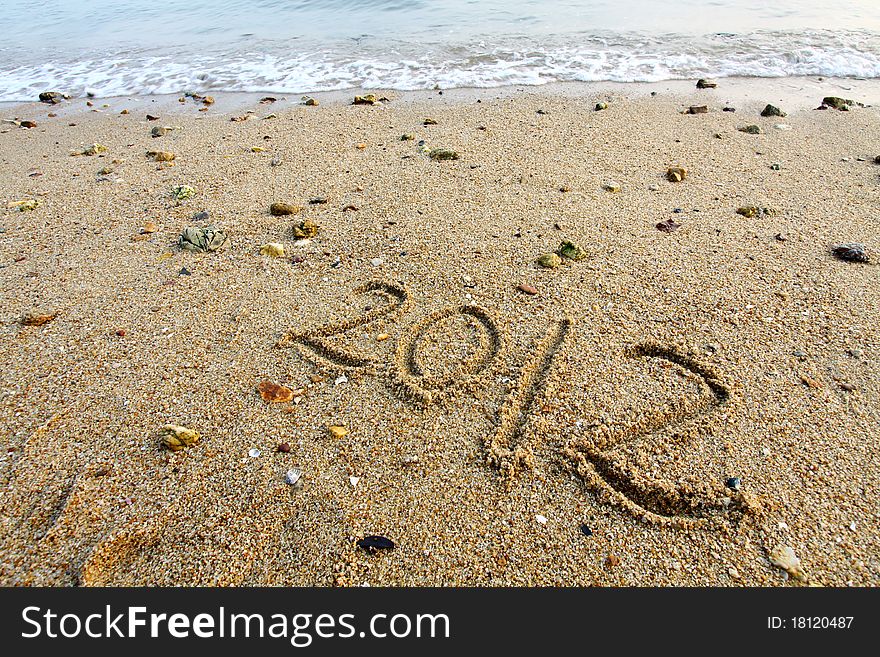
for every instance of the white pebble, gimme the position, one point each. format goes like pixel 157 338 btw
pixel 253 452
pixel 354 480
pixel 340 379
pixel 376 262
pixel 541 519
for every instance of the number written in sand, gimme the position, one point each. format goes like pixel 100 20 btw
pixel 620 483
pixel 509 448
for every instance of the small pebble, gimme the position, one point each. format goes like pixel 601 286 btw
pixel 373 543
pixel 612 561
pixel 851 252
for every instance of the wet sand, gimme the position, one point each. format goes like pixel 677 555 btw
pixel 493 426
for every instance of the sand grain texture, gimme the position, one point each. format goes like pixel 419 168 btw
pixel 622 395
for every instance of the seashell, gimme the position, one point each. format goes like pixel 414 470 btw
pixel 274 393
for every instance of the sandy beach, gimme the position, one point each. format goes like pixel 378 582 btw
pixel 696 393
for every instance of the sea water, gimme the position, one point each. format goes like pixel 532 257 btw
pixel 122 47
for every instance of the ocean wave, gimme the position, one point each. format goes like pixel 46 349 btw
pixel 274 67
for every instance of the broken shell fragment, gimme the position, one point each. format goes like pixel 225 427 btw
pixel 293 477
pixel 274 393
pixel 201 240
pixel 149 227
pixel 368 99
pixel 160 131
pixel 782 556
pixel 338 432
pixel 273 249
pixel 676 174
pixel 308 100
pixel 24 206
pixel 572 251
pixel 176 438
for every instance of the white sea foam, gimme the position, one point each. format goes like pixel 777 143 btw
pixel 281 68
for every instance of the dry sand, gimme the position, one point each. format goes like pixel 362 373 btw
pixel 492 424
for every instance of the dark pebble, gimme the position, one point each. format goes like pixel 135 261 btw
pixel 851 252
pixel 586 530
pixel 184 272
pixel 201 216
pixel 678 211
pixel 297 259
pixel 729 109
pixel 373 543
pixel 734 483
pixel 284 448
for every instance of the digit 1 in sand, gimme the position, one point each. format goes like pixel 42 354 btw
pixel 506 449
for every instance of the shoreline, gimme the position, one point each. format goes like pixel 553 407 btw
pixel 796 92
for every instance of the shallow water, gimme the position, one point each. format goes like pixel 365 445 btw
pixel 124 47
